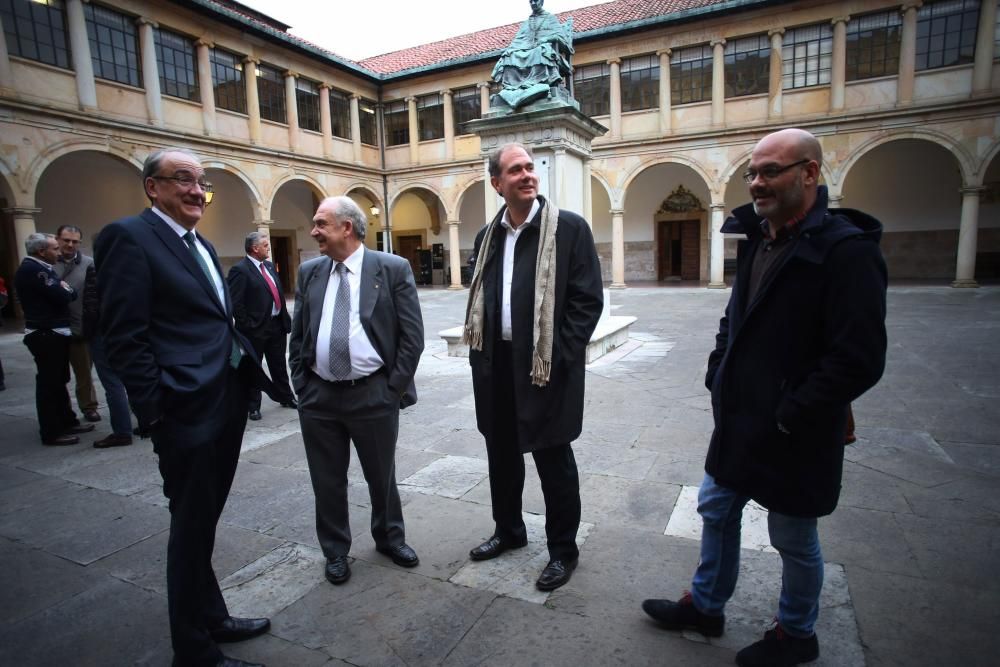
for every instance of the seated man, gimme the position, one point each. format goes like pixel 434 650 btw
pixel 537 60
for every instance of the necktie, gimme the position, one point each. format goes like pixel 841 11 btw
pixel 234 353
pixel 340 328
pixel 271 286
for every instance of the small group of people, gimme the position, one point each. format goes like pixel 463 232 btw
pixel 57 287
pixel 803 335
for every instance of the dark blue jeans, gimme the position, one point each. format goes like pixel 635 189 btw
pixel 114 390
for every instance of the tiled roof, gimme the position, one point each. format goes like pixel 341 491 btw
pixel 585 19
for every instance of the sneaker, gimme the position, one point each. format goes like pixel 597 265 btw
pixel 778 649
pixel 683 615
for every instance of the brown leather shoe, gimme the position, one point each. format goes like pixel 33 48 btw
pixel 113 440
pixel 78 428
pixel 91 415
pixel 61 440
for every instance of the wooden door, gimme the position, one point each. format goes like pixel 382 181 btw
pixel 281 257
pixel 409 247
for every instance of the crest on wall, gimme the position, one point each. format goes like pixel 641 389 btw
pixel 681 200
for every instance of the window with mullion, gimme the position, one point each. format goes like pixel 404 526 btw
pixel 946 33
pixel 430 117
pixel 873 45
pixel 747 65
pixel 271 93
pixel 36 31
pixel 592 88
pixel 465 106
pixel 227 80
pixel 368 121
pixel 640 81
pixel 340 114
pixel 114 45
pixel 307 104
pixel 691 75
pixel 806 56
pixel 397 123
pixel 175 61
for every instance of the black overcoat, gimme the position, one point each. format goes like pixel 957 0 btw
pixel 550 415
pixel 812 340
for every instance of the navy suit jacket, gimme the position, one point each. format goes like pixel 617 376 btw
pixel 167 335
pixel 252 299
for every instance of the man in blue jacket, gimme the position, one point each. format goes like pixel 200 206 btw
pixel 803 336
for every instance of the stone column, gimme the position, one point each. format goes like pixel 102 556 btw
pixel 386 231
pixel 325 123
pixel 79 46
pixel 484 97
pixel 449 125
pixel 718 81
pixel 588 203
pixel 968 231
pixel 716 249
pixel 206 85
pixel 838 64
pixel 264 227
pixel 291 111
pixel 982 70
pixel 617 249
pixel 411 113
pixel 24 226
pixel 834 201
pixel 356 126
pixel 253 100
pixel 557 176
pixel 774 79
pixel 665 120
pixel 454 255
pixel 907 53
pixel 6 74
pixel 615 97
pixel 150 73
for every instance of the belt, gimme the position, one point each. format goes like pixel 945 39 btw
pixel 355 381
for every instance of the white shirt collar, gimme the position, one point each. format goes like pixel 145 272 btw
pixel 256 262
pixel 41 261
pixel 178 229
pixel 505 220
pixel 353 261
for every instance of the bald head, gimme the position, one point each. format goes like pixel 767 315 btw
pixel 784 175
pixel 793 141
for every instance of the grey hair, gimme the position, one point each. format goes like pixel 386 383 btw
pixel 345 207
pixel 155 159
pixel 37 242
pixel 252 239
pixel 497 155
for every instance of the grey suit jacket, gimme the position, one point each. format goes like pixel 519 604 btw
pixel 389 311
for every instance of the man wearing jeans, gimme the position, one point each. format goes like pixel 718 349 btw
pixel 803 336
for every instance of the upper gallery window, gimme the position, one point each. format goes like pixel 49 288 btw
pixel 114 45
pixel 175 60
pixel 946 33
pixel 227 80
pixel 691 75
pixel 592 89
pixel 36 31
pixel 806 56
pixel 747 65
pixel 640 80
pixel 873 45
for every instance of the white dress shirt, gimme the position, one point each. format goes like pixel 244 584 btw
pixel 257 263
pixel 510 240
pixel 364 359
pixel 202 250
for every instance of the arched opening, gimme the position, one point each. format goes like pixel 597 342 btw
pixel 988 246
pixel 374 211
pixel 292 209
pixel 600 212
pixel 8 242
pixel 418 234
pixel 229 218
pixel 472 217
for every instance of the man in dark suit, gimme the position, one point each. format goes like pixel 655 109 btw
pixel 357 335
pixel 261 315
pixel 534 302
pixel 167 323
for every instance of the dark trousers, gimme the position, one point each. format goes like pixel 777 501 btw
pixel 51 353
pixel 271 347
pixel 556 469
pixel 197 477
pixel 332 416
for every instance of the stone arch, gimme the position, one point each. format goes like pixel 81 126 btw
pixel 234 170
pixel 479 181
pixel 697 167
pixel 33 173
pixel 984 164
pixel 313 184
pixel 965 161
pixel 722 186
pixel 367 190
pixel 603 180
pixel 415 186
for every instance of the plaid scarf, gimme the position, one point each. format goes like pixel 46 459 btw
pixel 543 324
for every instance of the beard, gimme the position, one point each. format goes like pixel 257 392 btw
pixel 782 204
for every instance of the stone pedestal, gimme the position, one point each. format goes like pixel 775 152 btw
pixel 559 137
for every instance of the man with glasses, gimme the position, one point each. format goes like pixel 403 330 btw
pixel 167 322
pixel 77 270
pixel 803 336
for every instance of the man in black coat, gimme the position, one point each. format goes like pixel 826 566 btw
pixel 166 318
pixel 803 336
pixel 535 299
pixel 262 316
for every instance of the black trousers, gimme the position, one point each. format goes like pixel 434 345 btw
pixel 270 347
pixel 51 353
pixel 556 467
pixel 197 477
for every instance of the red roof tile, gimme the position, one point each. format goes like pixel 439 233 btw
pixel 585 19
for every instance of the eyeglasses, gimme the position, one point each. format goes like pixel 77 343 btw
pixel 186 182
pixel 771 171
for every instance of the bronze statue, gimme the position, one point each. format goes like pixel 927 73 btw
pixel 537 62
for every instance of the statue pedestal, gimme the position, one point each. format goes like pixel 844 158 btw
pixel 559 138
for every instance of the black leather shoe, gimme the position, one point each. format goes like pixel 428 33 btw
pixel 226 661
pixel 239 629
pixel 113 440
pixel 255 415
pixel 555 574
pixel 403 555
pixel 61 440
pixel 293 404
pixel 91 415
pixel 493 547
pixel 337 570
pixel 79 428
